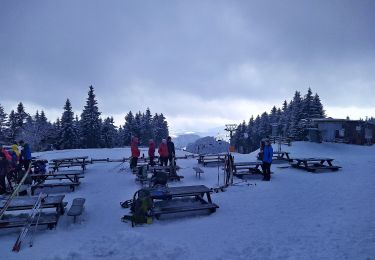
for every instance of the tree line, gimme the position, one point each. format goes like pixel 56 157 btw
pixel 87 131
pixel 289 121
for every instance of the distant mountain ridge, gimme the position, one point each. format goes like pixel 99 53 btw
pixel 181 141
pixel 207 145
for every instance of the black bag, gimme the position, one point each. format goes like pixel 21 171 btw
pixel 159 179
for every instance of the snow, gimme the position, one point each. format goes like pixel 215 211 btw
pixel 298 215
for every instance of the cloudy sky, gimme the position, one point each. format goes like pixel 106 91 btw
pixel 201 63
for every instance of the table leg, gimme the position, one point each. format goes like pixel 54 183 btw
pixel 60 208
pixel 208 197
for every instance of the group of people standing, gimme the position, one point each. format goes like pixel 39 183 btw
pixel 13 161
pixel 166 152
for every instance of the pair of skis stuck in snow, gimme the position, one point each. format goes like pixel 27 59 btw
pixel 33 218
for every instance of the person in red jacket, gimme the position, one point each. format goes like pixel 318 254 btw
pixel 163 152
pixel 151 152
pixel 135 153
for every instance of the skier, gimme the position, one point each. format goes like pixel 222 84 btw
pixel 135 153
pixel 6 153
pixel 267 160
pixel 16 150
pixel 25 158
pixel 171 150
pixel 151 152
pixel 163 152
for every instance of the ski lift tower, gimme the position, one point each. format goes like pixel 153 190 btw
pixel 276 136
pixel 230 128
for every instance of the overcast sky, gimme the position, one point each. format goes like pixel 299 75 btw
pixel 201 63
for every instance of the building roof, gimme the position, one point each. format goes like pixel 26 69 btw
pixel 333 120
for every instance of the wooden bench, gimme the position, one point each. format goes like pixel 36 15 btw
pixel 11 221
pixel 170 210
pixel 77 208
pixel 71 185
pixel 198 171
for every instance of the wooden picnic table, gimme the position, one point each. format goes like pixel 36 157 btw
pixel 181 199
pixel 249 167
pixel 313 164
pixel 69 162
pixel 143 175
pixel 281 156
pixel 72 176
pixel 211 158
pixel 27 203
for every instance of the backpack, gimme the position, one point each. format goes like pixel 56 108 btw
pixel 140 208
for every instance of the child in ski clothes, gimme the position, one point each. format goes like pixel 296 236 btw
pixel 151 152
pixel 171 150
pixel 135 153
pixel 7 155
pixel 163 152
pixel 25 158
pixel 267 160
pixel 16 151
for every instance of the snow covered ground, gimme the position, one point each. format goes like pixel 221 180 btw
pixel 298 215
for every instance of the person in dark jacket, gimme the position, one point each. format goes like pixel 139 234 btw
pixel 171 150
pixel 267 160
pixel 163 153
pixel 4 167
pixel 25 158
pixel 135 153
pixel 151 152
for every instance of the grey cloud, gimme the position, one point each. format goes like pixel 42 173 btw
pixel 143 53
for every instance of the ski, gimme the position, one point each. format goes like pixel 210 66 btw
pixel 14 193
pixel 29 222
pixel 36 227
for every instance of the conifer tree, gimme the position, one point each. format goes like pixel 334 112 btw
pixel 12 127
pixel 21 116
pixel 68 131
pixel 3 123
pixel 90 123
pixel 317 108
pixel 160 127
pixel 128 129
pixel 109 133
pixel 306 105
pixel 296 129
pixel 146 130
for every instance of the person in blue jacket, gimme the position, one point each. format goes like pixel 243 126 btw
pixel 267 160
pixel 25 155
